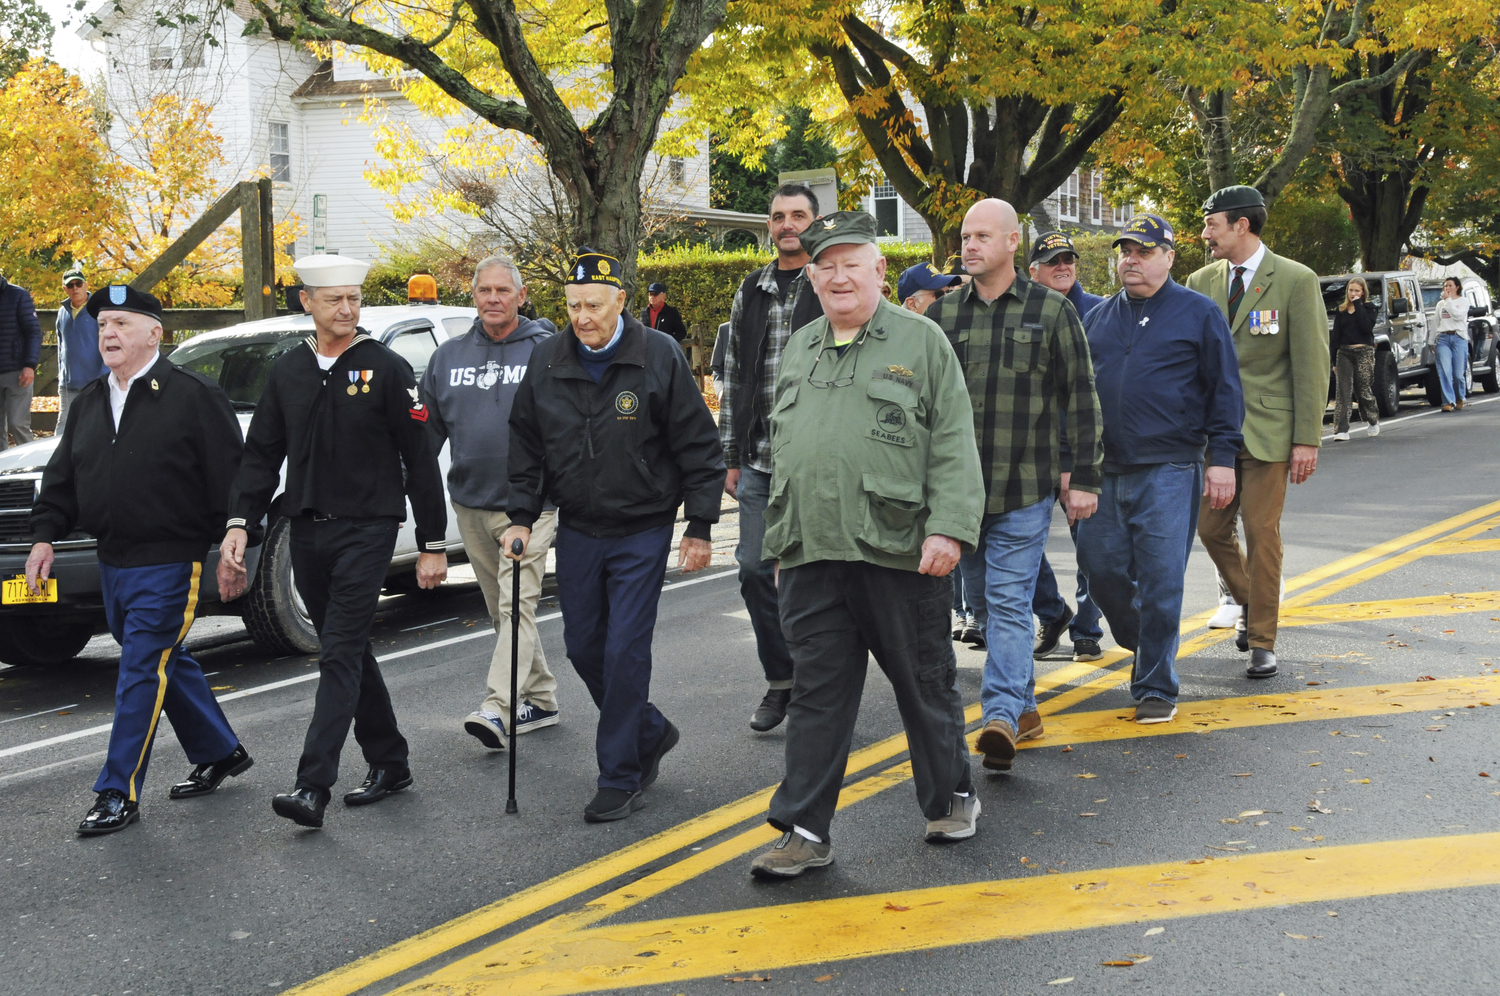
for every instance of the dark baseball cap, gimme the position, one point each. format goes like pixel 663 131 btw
pixel 657 287
pixel 1149 230
pixel 923 276
pixel 1050 246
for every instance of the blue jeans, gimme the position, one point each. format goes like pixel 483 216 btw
pixel 609 589
pixel 1010 553
pixel 1049 606
pixel 758 578
pixel 1144 529
pixel 1453 366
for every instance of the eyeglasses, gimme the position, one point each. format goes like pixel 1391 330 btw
pixel 837 381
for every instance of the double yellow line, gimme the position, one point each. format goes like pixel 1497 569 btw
pixel 430 944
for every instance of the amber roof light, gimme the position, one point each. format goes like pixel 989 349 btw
pixel 422 289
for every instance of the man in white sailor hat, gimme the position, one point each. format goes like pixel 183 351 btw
pixel 345 416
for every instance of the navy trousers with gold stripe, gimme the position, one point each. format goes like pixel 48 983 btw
pixel 150 610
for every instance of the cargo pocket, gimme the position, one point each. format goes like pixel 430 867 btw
pixel 782 530
pixel 1023 348
pixel 781 412
pixel 893 412
pixel 894 508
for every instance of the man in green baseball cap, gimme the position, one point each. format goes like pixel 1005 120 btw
pixel 1275 311
pixel 875 491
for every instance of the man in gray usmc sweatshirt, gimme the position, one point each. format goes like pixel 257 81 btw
pixel 469 386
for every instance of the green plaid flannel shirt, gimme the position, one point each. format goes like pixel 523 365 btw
pixel 1026 362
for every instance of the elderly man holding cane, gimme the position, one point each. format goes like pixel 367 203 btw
pixel 610 426
pixel 875 491
pixel 145 467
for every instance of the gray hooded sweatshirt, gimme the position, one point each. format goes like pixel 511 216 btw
pixel 469 386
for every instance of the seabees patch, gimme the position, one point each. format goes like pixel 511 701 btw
pixel 890 425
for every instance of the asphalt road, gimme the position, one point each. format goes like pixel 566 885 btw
pixel 1240 830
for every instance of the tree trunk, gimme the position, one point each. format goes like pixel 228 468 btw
pixel 1386 209
pixel 1211 116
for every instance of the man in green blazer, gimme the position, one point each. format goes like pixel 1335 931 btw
pixel 1275 311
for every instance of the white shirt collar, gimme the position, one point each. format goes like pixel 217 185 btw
pixel 117 394
pixel 1251 265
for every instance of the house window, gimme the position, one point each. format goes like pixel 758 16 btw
pixel 1123 213
pixel 192 53
pixel 887 210
pixel 281 153
pixel 1096 197
pixel 677 171
pixel 1067 199
pixel 161 57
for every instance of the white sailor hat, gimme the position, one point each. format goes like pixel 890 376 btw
pixel 324 270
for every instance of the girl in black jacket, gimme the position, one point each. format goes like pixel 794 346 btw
pixel 1354 352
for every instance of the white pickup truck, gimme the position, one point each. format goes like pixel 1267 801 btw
pixel 239 358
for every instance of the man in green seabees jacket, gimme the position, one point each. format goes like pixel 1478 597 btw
pixel 875 490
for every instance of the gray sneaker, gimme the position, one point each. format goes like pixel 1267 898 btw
pixel 1154 710
pixel 790 856
pixel 963 813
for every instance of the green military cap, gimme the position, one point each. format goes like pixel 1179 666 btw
pixel 842 228
pixel 1233 199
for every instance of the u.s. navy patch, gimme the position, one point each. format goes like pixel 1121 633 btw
pixel 626 403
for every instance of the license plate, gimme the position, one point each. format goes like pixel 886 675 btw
pixel 16 592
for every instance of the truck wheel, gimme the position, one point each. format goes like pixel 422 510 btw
pixel 274 612
pixel 1387 386
pixel 33 641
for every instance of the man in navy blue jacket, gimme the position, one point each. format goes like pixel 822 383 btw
pixel 20 347
pixel 1169 386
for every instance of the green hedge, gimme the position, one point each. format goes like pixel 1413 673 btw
pixel 701 281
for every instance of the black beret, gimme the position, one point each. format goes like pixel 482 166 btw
pixel 123 297
pixel 590 267
pixel 1233 199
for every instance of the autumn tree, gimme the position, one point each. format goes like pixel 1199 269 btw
pixel 588 81
pixel 25 29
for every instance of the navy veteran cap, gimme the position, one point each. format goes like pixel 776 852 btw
pixel 1233 199
pixel 657 287
pixel 923 276
pixel 841 228
pixel 1051 245
pixel 590 267
pixel 1149 230
pixel 122 297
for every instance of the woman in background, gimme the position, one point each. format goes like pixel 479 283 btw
pixel 1354 358
pixel 1453 344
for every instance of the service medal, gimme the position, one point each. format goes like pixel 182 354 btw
pixel 353 387
pixel 1255 323
pixel 365 376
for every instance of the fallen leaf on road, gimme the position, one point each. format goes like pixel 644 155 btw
pixel 1166 902
pixel 1205 899
pixel 1118 964
pixel 238 935
pixel 1296 937
pixel 1141 959
pixel 1229 821
pixel 1316 806
pixel 1198 861
pixel 1252 812
pixel 1314 682
pixel 1154 931
pixel 1426 677
pixel 1484 774
pixel 1086 775
pixel 1096 814
pixel 1446 631
pixel 1432 729
pixel 823 978
pixel 1216 847
pixel 1354 781
pixel 1315 764
pixel 1181 756
pixel 1065 750
pixel 1062 981
pixel 747 978
pixel 1243 774
pixel 1332 913
pixel 992 893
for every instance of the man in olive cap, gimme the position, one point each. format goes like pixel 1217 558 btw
pixel 610 426
pixel 875 491
pixel 1275 311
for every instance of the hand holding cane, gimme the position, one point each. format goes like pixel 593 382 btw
pixel 515 646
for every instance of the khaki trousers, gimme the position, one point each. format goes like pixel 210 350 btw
pixel 481 531
pixel 1254 574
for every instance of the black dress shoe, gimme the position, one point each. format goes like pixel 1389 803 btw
pixel 1262 664
pixel 303 805
pixel 651 764
pixel 206 777
pixel 771 711
pixel 1050 636
pixel 112 812
pixel 379 783
pixel 1242 632
pixel 609 805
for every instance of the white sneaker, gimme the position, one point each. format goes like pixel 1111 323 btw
pixel 1227 615
pixel 1374 429
pixel 1340 437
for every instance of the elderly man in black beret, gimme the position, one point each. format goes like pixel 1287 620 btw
pixel 145 467
pixel 610 426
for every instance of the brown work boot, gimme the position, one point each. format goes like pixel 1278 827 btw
pixel 997 742
pixel 1031 726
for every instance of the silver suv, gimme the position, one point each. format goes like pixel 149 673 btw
pixel 239 358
